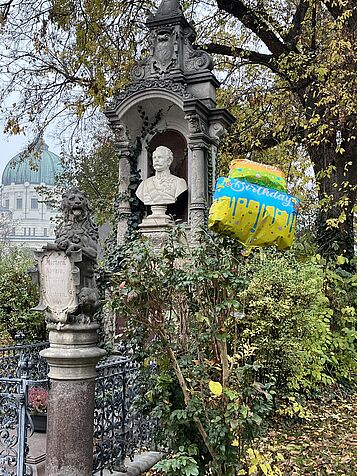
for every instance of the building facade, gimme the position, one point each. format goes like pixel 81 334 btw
pixel 23 196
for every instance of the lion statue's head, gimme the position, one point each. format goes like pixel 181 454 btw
pixel 75 205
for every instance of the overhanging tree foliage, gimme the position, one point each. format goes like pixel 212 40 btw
pixel 296 61
pixel 312 53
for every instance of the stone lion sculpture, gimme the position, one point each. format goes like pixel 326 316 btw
pixel 77 232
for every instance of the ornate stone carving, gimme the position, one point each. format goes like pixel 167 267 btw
pixel 164 51
pixel 216 131
pixel 58 278
pixel 153 83
pixel 171 45
pixel 120 133
pixel 195 60
pixel 195 123
pixel 197 222
pixel 77 239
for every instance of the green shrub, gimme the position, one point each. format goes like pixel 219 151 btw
pixel 287 318
pixel 203 387
pixel 219 335
pixel 341 290
pixel 17 296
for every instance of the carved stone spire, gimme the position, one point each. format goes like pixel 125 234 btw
pixel 168 8
pixel 172 53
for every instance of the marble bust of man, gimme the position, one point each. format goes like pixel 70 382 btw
pixel 163 188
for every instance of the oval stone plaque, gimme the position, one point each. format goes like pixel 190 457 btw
pixel 58 284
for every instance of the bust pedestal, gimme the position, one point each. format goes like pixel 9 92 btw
pixel 158 224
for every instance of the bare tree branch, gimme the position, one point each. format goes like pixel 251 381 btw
pixel 256 24
pixel 5 10
pixel 297 23
pixel 252 56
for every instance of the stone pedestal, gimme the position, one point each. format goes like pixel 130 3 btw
pixel 72 358
pixel 157 225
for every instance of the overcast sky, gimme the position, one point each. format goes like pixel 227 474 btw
pixel 10 146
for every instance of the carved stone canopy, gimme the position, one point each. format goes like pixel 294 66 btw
pixel 170 102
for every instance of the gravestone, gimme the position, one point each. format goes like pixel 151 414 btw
pixel 69 296
pixel 170 102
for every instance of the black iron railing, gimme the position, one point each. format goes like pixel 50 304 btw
pixel 10 356
pixel 15 423
pixel 120 429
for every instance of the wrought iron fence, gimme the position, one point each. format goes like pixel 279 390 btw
pixel 30 353
pixel 15 423
pixel 13 433
pixel 120 429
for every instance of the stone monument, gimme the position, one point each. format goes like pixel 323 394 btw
pixel 160 190
pixel 170 102
pixel 69 296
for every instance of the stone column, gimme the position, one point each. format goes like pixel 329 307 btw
pixel 124 210
pixel 65 271
pixel 198 186
pixel 72 358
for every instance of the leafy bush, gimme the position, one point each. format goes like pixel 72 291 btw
pixel 287 318
pixel 17 296
pixel 204 388
pixel 5 338
pixel 341 289
pixel 219 335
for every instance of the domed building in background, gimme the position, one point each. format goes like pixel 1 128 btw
pixel 23 199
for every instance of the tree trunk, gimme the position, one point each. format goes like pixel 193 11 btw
pixel 337 181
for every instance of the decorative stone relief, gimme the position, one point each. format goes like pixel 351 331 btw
pixel 164 51
pixel 197 222
pixel 152 83
pixel 120 133
pixel 216 131
pixel 171 45
pixel 195 123
pixel 70 292
pixel 195 60
pixel 59 280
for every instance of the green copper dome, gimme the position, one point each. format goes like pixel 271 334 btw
pixel 39 167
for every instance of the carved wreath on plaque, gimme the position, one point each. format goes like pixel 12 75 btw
pixel 66 269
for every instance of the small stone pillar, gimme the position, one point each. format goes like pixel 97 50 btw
pixel 69 296
pixel 198 187
pixel 72 358
pixel 124 210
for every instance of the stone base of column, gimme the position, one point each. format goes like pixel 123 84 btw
pixel 72 358
pixel 70 428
